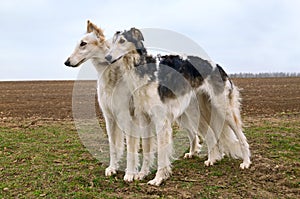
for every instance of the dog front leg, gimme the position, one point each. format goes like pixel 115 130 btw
pixel 149 150
pixel 116 146
pixel 132 158
pixel 164 153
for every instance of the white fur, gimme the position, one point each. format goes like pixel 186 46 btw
pixel 114 98
pixel 223 133
pixel 109 80
pixel 219 123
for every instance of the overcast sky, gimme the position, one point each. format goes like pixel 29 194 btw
pixel 242 35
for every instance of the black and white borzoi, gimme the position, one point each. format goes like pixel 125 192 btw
pixel 162 92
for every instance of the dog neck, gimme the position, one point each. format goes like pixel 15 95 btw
pixel 99 64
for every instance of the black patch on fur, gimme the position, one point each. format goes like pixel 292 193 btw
pixel 176 76
pixel 131 106
pixel 147 64
pixel 149 68
pixel 140 48
pixel 201 65
pixel 223 74
pixel 218 79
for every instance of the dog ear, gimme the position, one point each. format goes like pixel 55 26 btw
pixel 90 27
pixel 136 33
pixel 93 28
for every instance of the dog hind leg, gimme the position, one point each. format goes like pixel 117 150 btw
pixel 235 124
pixel 215 128
pixel 195 146
pixel 236 139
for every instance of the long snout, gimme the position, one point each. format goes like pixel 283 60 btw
pixel 108 58
pixel 68 63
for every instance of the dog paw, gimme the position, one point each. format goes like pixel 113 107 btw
pixel 110 171
pixel 155 181
pixel 198 149
pixel 245 165
pixel 188 155
pixel 209 163
pixel 161 175
pixel 130 176
pixel 142 174
pixel 194 152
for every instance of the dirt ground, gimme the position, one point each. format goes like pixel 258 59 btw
pixel 53 99
pixel 271 101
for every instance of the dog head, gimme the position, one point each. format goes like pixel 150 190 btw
pixel 124 43
pixel 91 45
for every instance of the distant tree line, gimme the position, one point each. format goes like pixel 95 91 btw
pixel 262 75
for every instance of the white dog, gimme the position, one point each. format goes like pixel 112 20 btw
pixel 94 46
pixel 164 93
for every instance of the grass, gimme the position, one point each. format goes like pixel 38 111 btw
pixel 284 139
pixel 47 160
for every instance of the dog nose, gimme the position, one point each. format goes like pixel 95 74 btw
pixel 108 58
pixel 68 63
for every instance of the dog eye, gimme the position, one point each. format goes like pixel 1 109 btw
pixel 83 43
pixel 121 41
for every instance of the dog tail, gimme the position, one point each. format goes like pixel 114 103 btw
pixel 229 144
pixel 231 137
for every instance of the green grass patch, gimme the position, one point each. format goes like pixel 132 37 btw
pixel 278 141
pixel 49 161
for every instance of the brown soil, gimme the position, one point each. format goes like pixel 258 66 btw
pixel 269 96
pixel 53 99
